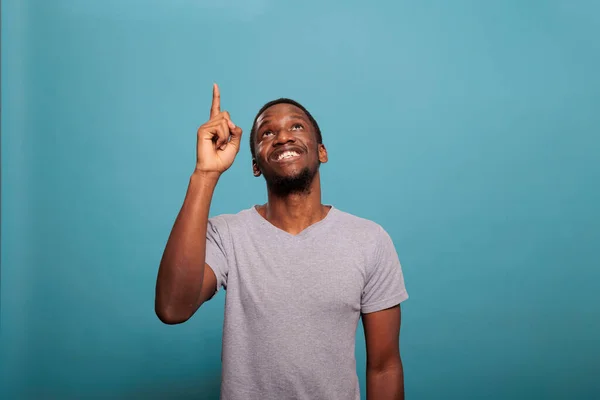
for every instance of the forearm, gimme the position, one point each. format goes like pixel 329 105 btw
pixel 386 383
pixel 181 271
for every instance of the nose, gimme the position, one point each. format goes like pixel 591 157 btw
pixel 283 136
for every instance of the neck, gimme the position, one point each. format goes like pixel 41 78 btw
pixel 297 211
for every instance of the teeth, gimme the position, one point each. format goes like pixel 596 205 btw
pixel 287 154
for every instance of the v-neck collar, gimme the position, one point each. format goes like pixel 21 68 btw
pixel 305 232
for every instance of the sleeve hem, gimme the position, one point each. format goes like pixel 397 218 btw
pixel 213 264
pixel 383 304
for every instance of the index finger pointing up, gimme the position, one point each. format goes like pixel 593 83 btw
pixel 215 109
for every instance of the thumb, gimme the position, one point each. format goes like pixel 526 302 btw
pixel 234 140
pixel 236 136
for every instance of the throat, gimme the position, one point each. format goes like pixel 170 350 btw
pixel 293 219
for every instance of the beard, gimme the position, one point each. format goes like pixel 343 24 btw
pixel 298 183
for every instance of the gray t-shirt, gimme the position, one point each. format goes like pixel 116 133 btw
pixel 293 302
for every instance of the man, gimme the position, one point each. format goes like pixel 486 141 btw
pixel 298 274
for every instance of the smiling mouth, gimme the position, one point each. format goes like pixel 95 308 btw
pixel 287 155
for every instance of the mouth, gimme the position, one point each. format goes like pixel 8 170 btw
pixel 286 155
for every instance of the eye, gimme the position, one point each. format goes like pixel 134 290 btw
pixel 297 126
pixel 265 133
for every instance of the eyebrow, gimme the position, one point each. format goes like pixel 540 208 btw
pixel 295 115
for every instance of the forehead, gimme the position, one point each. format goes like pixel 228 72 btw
pixel 279 111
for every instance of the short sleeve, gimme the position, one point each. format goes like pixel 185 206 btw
pixel 384 287
pixel 217 235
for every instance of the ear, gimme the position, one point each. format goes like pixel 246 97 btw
pixel 255 169
pixel 322 153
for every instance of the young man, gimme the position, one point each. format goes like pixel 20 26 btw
pixel 298 274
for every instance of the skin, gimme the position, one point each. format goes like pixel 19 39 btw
pixel 285 127
pixel 185 282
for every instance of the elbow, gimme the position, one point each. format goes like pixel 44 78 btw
pixel 168 319
pixel 388 365
pixel 169 316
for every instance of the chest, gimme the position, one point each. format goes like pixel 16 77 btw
pixel 302 278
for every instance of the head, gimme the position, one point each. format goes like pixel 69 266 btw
pixel 286 146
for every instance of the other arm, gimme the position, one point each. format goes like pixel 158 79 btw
pixel 385 375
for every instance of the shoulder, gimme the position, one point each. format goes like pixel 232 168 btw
pixel 230 220
pixel 355 224
pixel 370 236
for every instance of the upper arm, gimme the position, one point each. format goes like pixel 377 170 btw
pixel 216 258
pixel 384 284
pixel 382 337
pixel 209 284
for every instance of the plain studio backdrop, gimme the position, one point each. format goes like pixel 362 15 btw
pixel 469 130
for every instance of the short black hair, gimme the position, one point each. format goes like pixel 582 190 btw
pixel 283 100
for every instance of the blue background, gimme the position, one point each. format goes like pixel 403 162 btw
pixel 468 129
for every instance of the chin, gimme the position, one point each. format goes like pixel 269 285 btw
pixel 298 181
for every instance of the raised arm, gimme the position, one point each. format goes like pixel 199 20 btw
pixel 184 281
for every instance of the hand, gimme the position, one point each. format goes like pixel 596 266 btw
pixel 218 139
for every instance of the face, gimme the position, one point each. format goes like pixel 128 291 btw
pixel 287 152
